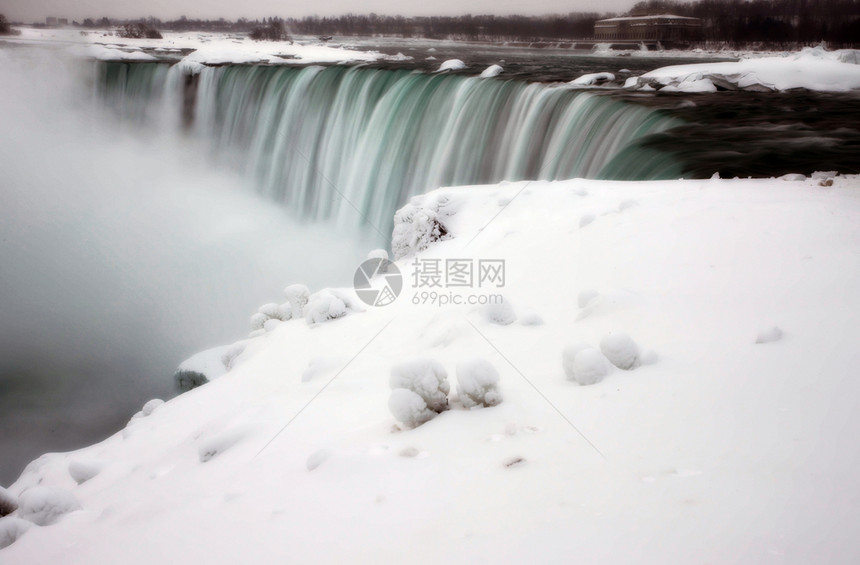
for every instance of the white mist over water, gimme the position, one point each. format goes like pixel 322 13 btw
pixel 121 254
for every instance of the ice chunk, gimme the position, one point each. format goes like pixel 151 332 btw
pixel 621 350
pixel 44 505
pixel 477 383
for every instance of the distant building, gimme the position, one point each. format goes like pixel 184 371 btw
pixel 50 21
pixel 665 27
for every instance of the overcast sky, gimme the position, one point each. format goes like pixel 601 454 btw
pixel 36 10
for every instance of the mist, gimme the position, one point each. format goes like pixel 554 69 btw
pixel 122 252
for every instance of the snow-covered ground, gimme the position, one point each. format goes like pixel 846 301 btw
pixel 730 437
pixel 813 68
pixel 209 48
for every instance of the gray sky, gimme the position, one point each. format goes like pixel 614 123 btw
pixel 36 10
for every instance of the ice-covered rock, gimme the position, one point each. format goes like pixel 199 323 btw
pixel 202 367
pixel 491 71
pixel 592 79
pixel 621 350
pixel 451 65
pixel 8 502
pixel 477 383
pixel 44 505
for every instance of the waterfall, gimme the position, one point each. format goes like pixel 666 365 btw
pixel 352 144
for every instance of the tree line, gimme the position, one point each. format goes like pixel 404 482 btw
pixel 772 22
pixel 734 22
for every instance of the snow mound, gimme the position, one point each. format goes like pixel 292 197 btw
pixel 297 297
pixel 585 297
pixel 82 470
pixel 220 442
pixel 317 458
pixel 769 335
pixel 420 223
pixel 328 304
pixel 44 505
pixel 531 318
pixel 377 254
pixel 585 365
pixel 477 383
pixel 425 377
pixel 491 71
pixel 621 350
pixel 500 313
pixel 592 79
pixel 11 529
pixel 409 408
pixel 451 65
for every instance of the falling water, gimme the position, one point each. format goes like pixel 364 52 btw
pixel 352 144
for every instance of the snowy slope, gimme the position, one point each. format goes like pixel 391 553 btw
pixel 717 449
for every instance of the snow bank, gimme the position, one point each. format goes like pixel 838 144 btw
pixel 669 458
pixel 812 69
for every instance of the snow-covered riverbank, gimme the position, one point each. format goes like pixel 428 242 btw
pixel 730 440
